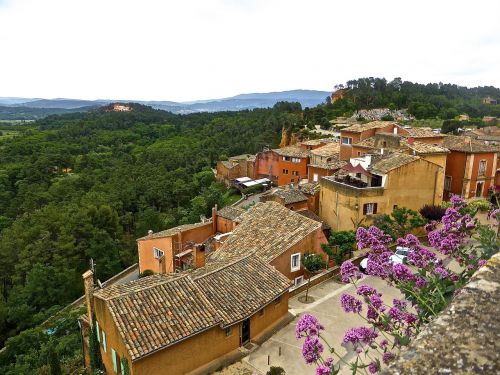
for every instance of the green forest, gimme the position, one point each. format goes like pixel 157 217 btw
pixel 424 101
pixel 86 185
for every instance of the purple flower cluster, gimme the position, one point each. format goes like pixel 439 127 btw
pixel 366 290
pixel 312 349
pixel 402 273
pixel 308 326
pixel 349 271
pixel 350 303
pixel 372 238
pixel 441 272
pixel 373 368
pixel 325 368
pixel 387 357
pixel 360 336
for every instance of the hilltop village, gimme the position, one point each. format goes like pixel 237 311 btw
pixel 217 286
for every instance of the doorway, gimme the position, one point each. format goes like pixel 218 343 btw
pixel 245 332
pixel 479 189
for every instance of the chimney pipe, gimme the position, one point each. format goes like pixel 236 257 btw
pixel 88 283
pixel 214 219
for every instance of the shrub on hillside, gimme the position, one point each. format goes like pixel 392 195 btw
pixel 432 212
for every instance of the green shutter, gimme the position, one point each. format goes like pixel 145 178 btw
pixel 113 357
pixel 104 341
pixel 97 331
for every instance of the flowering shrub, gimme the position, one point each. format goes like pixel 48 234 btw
pixel 427 284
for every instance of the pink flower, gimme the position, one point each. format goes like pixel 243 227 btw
pixel 349 271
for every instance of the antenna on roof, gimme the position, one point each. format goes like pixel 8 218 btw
pixel 99 283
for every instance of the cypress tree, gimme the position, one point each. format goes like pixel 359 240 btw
pixel 95 352
pixel 53 359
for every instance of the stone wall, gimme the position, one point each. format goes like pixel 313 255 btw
pixel 464 338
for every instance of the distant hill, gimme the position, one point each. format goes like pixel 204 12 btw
pixel 32 109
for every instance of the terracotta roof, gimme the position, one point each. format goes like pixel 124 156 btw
pixel 366 143
pixel 424 148
pixel 329 150
pixel 467 144
pixel 157 311
pixel 293 151
pixel 331 165
pixel 315 142
pixel 311 215
pixel 422 133
pixel 248 157
pixel 158 316
pixel 267 229
pixel 242 288
pixel 358 128
pixel 174 230
pixel 228 164
pixel 231 213
pixel 310 188
pixel 392 161
pixel 288 195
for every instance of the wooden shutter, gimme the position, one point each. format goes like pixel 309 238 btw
pixel 365 208
pixel 115 360
pixel 374 208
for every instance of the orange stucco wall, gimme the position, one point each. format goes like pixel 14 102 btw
pixel 113 338
pixel 321 172
pixel 487 177
pixel 289 178
pixel 189 354
pixel 170 245
pixel 266 163
pixel 310 244
pixel 225 225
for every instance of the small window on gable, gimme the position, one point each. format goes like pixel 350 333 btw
pixel 482 167
pixel 158 254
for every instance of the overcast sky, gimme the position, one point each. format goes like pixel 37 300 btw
pixel 185 49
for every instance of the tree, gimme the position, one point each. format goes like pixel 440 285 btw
pixel 343 241
pixel 275 370
pixel 53 360
pixel 94 349
pixel 400 222
pixel 312 264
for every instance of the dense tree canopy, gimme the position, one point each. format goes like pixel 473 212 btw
pixel 444 101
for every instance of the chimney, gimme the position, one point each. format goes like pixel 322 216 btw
pixel 214 219
pixel 411 140
pixel 88 283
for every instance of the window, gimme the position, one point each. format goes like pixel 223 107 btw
pixel 295 173
pixel 370 209
pixel 277 301
pixel 359 153
pixel 395 206
pixel 292 180
pixel 286 158
pixel 158 253
pixel 346 141
pixel 97 331
pixel 479 189
pixel 315 177
pixel 298 280
pixel 285 171
pixel 123 367
pixel 116 361
pixel 104 341
pixel 296 160
pixel 482 167
pixel 447 183
pixel 295 262
pixel 228 331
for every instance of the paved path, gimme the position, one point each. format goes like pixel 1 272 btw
pixel 328 310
